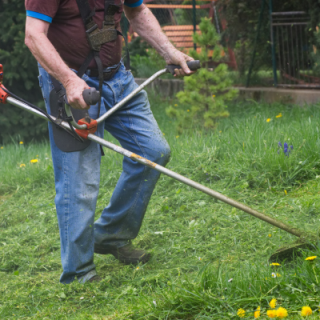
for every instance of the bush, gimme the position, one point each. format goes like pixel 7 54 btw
pixel 20 76
pixel 207 91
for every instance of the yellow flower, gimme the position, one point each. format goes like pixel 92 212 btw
pixel 306 311
pixel 256 314
pixel 137 268
pixel 282 313
pixel 177 137
pixel 21 142
pixel 1 147
pixel 285 191
pixel 37 156
pixel 272 313
pixel 164 134
pixel 275 264
pixel 273 303
pixel 241 313
pixel 268 120
pixel 220 131
pixel 279 115
pixel 269 235
pixel 22 165
pixel 213 96
pixel 34 160
pixel 311 258
pixel 188 110
pixel 278 275
pixel 175 105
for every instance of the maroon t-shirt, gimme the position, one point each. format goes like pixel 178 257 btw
pixel 67 31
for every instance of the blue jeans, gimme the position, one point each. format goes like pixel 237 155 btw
pixel 77 176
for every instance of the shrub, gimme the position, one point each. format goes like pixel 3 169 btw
pixel 207 91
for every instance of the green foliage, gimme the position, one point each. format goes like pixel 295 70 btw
pixel 206 92
pixel 144 65
pixel 316 51
pixel 20 75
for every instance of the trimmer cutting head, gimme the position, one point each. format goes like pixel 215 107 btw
pixel 288 253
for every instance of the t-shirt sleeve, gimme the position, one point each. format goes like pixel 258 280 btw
pixel 42 10
pixel 133 3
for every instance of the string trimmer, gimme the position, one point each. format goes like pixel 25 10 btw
pixel 85 128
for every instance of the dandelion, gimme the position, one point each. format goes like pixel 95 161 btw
pixel 272 313
pixel 278 275
pixel 137 268
pixel 282 313
pixel 175 105
pixel 268 120
pixel 177 137
pixel 269 235
pixel 22 165
pixel 279 115
pixel 21 142
pixel 273 303
pixel 306 311
pixel 164 134
pixel 241 313
pixel 34 160
pixel 256 314
pixel 285 191
pixel 310 258
pixel 37 156
pixel 1 147
pixel 188 110
pixel 213 96
pixel 275 264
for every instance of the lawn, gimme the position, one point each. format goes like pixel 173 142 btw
pixel 208 259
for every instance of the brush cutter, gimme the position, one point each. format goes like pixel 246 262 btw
pixel 85 128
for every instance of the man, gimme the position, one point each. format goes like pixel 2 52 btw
pixel 55 34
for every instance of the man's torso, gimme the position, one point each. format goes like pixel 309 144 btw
pixel 67 31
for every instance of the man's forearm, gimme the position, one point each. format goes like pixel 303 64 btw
pixel 148 27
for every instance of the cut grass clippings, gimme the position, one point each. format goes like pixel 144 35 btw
pixel 208 259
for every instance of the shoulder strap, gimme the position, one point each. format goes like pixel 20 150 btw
pixel 85 11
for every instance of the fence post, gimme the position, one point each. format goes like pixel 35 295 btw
pixel 194 20
pixel 273 52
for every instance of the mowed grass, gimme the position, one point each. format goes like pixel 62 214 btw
pixel 198 244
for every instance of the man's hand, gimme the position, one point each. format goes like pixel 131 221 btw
pixel 174 56
pixel 74 88
pixel 43 50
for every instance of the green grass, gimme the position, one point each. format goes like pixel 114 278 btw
pixel 197 243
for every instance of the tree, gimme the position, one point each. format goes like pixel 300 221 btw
pixel 207 91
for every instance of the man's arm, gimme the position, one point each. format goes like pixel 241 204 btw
pixel 42 49
pixel 147 26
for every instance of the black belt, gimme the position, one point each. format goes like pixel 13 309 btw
pixel 106 75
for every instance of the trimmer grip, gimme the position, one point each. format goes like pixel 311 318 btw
pixel 91 96
pixel 193 66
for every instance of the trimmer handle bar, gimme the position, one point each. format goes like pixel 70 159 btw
pixel 91 96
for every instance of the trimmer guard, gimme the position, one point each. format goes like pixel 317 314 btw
pixel 64 141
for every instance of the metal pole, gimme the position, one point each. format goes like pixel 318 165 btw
pixel 273 53
pixel 172 174
pixel 194 20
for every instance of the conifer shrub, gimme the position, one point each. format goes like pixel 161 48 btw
pixel 206 93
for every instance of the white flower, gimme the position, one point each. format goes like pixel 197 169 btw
pixel 273 275
pixel 155 303
pixel 230 280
